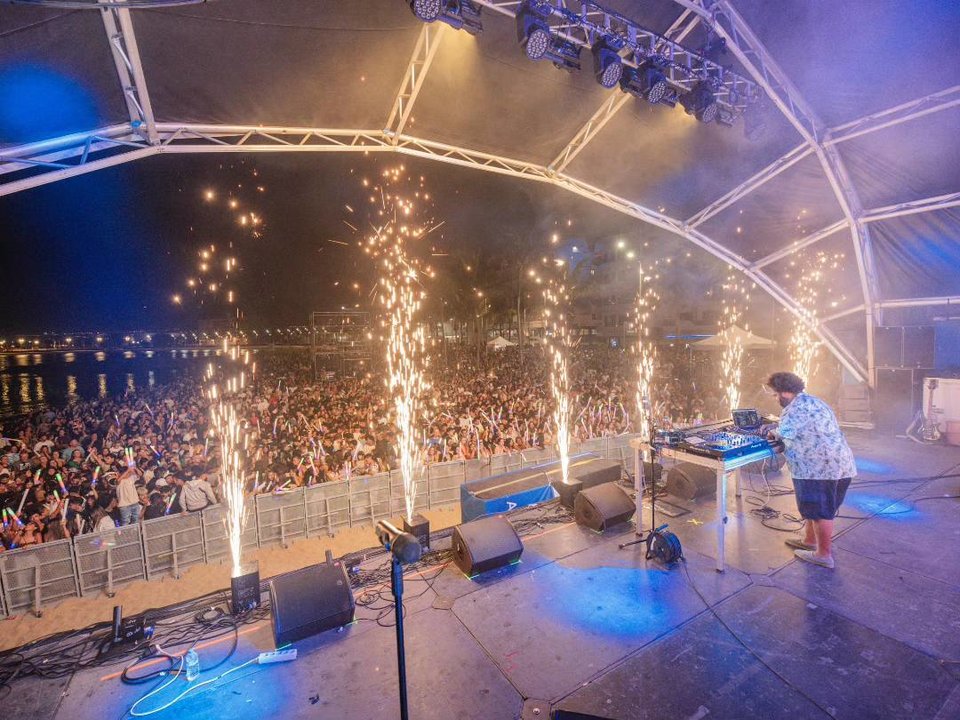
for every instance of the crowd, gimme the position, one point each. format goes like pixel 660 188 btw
pixel 97 464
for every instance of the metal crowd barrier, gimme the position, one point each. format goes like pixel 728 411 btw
pixel 98 562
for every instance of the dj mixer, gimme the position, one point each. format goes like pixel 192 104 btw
pixel 724 440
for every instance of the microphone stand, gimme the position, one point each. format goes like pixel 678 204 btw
pixel 396 586
pixel 404 548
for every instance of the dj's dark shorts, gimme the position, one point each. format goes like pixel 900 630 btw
pixel 820 499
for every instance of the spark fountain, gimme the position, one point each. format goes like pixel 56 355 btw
pixel 558 347
pixel 231 431
pixel 736 298
pixel 396 223
pixel 645 351
pixel 811 290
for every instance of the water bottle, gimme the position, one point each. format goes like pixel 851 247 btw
pixel 192 663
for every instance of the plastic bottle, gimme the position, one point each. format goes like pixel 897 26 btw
pixel 192 663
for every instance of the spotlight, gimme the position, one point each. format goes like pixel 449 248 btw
pixel 700 102
pixel 533 33
pixel 647 81
pixel 458 14
pixel 607 64
pixel 426 10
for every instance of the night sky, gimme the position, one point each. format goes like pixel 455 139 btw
pixel 108 250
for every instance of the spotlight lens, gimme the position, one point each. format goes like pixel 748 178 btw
pixel 657 91
pixel 537 42
pixel 709 113
pixel 428 10
pixel 611 74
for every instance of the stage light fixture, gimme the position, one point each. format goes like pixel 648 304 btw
pixel 458 14
pixel 607 63
pixel 533 33
pixel 426 10
pixel 646 81
pixel 700 103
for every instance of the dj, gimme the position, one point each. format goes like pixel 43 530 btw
pixel 819 459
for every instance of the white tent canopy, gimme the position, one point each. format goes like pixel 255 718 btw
pixel 748 340
pixel 499 343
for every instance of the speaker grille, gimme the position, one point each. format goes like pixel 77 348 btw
pixel 689 481
pixel 309 601
pixel 485 544
pixel 603 506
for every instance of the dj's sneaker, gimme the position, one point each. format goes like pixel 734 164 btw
pixel 811 557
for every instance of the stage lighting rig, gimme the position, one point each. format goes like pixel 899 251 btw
pixel 458 14
pixel 607 63
pixel 646 81
pixel 533 33
pixel 700 102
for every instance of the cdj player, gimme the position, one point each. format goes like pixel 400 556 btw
pixel 722 440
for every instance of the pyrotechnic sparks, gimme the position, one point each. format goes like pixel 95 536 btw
pixel 232 433
pixel 736 299
pixel 811 287
pixel 559 343
pixel 217 266
pixel 396 222
pixel 645 351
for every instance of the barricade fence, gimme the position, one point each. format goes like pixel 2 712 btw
pixel 99 562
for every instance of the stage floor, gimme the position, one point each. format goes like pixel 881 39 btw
pixel 583 626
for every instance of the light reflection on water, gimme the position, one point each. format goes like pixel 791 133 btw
pixel 28 380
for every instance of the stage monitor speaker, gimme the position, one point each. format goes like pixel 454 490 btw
pixel 919 346
pixel 689 481
pixel 888 346
pixel 308 601
pixel 897 398
pixel 485 544
pixel 602 506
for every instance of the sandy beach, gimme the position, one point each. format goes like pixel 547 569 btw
pixel 195 581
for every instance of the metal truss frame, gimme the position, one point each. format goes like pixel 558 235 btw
pixel 753 55
pixel 582 22
pixel 424 53
pixel 940 202
pixel 933 103
pixel 576 21
pixel 177 138
pixel 679 30
pixel 126 57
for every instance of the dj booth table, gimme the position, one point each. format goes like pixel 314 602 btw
pixel 724 468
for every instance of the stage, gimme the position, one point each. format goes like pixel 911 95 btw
pixel 580 625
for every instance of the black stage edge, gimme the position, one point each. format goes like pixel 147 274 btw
pixel 582 627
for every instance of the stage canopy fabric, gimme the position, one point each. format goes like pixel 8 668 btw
pixel 860 154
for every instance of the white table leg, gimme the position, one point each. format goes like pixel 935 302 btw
pixel 721 516
pixel 638 483
pixel 737 478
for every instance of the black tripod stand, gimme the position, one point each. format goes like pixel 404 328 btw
pixel 404 548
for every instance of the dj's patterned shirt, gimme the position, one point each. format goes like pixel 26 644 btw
pixel 814 444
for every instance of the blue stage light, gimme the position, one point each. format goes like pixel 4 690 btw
pixel 533 33
pixel 426 10
pixel 700 103
pixel 646 81
pixel 607 64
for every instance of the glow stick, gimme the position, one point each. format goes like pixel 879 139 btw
pixel 170 502
pixel 23 499
pixel 62 486
pixel 15 516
